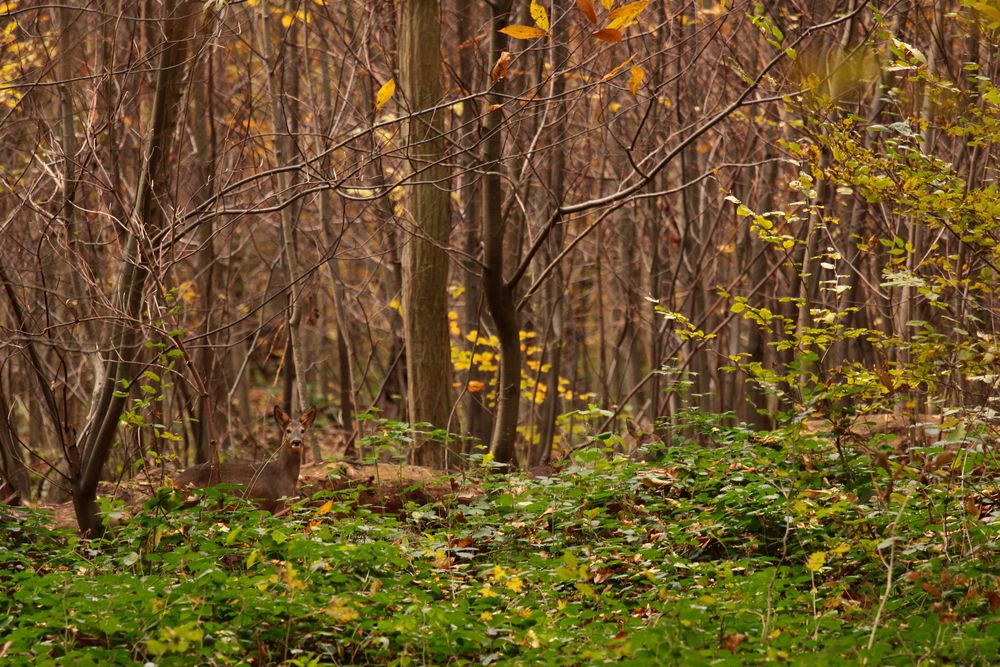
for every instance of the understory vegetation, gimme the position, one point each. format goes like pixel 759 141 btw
pixel 732 547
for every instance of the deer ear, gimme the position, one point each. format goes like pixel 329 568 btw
pixel 307 417
pixel 281 416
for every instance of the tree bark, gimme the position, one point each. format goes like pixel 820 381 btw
pixel 499 295
pixel 147 218
pixel 425 262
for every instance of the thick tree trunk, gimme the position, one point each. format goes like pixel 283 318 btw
pixel 428 203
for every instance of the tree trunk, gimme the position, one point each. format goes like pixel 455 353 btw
pixel 478 419
pixel 147 219
pixel 499 296
pixel 425 262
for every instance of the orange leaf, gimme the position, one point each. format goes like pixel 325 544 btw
pixel 523 31
pixel 608 35
pixel 587 7
pixel 499 70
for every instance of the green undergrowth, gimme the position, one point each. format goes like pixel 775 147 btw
pixel 756 549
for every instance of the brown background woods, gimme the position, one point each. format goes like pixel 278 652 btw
pixel 207 205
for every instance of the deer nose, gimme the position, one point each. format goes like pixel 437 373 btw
pixel 297 441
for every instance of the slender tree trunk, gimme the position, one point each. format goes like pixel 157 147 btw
pixel 499 295
pixel 203 138
pixel 12 465
pixel 280 116
pixel 478 420
pixel 344 366
pixel 555 291
pixel 147 216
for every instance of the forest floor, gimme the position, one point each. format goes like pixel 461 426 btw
pixel 733 547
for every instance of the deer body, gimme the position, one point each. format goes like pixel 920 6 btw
pixel 266 482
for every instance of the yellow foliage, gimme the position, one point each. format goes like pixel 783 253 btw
pixel 340 611
pixel 523 31
pixel 815 561
pixel 539 15
pixel 385 93
pixel 636 75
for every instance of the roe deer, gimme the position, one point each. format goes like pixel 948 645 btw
pixel 267 482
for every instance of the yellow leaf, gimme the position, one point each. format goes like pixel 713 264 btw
pixel 815 561
pixel 396 305
pixel 385 93
pixel 625 15
pixel 523 31
pixel 607 4
pixel 186 292
pixel 326 507
pixel 475 386
pixel 635 79
pixel 539 15
pixel 286 20
pixel 616 71
pixel 614 107
pixel 341 611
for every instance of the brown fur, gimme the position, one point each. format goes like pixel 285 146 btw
pixel 267 482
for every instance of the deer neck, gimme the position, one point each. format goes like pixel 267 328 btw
pixel 290 461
